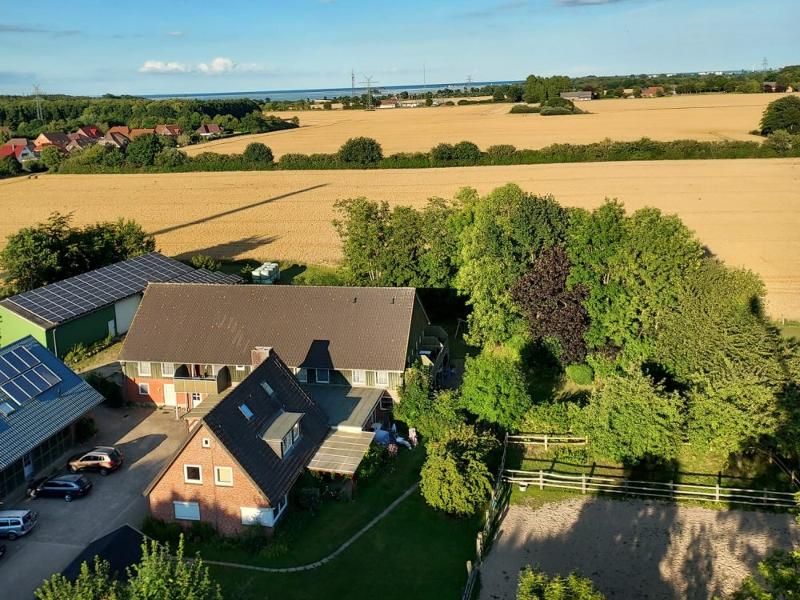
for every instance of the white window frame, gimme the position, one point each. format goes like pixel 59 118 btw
pixel 302 375
pixel 378 381
pixel 240 367
pixel 206 443
pixel 192 481
pixel 359 376
pixel 187 505
pixel 144 389
pixel 144 371
pixel 279 510
pixel 327 375
pixel 167 369
pixel 220 482
pixel 293 437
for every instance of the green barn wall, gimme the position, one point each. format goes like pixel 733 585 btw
pixel 13 328
pixel 84 330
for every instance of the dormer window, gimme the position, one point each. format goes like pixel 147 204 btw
pixel 283 432
pixel 248 414
pixel 290 439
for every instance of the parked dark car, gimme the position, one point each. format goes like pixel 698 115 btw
pixel 62 486
pixel 102 459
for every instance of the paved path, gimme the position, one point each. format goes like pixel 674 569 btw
pixel 333 554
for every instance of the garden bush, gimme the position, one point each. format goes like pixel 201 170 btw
pixel 783 113
pixel 373 462
pixel 204 261
pixel 85 428
pixel 161 531
pixel 548 111
pixel 581 374
pixel 170 158
pixel 360 151
pixel 9 166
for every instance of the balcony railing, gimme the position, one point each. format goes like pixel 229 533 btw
pixel 206 383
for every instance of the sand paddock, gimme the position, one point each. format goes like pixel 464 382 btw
pixel 745 211
pixel 634 548
pixel 712 117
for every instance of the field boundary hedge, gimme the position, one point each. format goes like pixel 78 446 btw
pixel 606 151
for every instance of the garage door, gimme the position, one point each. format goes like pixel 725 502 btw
pixel 187 511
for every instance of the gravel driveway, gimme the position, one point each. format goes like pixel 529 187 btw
pixel 635 548
pixel 147 438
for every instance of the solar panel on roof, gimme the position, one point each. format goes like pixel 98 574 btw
pixel 27 382
pixel 6 371
pixel 27 356
pixel 15 361
pixel 45 373
pixel 84 293
pixel 12 391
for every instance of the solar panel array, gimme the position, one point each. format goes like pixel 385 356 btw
pixel 22 377
pixel 65 300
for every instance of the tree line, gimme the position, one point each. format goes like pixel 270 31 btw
pixel 66 113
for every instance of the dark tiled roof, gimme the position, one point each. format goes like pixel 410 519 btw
pixel 243 437
pixel 309 326
pixel 46 413
pixel 122 548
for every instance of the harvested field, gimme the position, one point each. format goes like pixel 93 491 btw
pixel 635 548
pixel 746 211
pixel 711 117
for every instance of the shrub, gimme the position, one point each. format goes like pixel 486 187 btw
pixel 523 109
pixel 466 151
pixel 170 158
pixel 51 157
pixel 581 374
pixel 443 152
pixel 9 166
pixel 108 389
pixel 360 151
pixel 252 540
pixel 76 355
pixel 373 462
pixel 85 428
pixel 548 111
pixel 309 498
pixel 161 531
pixel 537 585
pixel 494 389
pixel 142 151
pixel 202 532
pixel 783 113
pixel 203 261
pixel 258 153
pixel 501 150
pixel 782 141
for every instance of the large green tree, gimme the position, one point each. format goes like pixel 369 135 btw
pixel 504 233
pixel 454 477
pixel 783 113
pixel 494 388
pixel 630 418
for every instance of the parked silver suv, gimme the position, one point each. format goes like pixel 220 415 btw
pixel 14 523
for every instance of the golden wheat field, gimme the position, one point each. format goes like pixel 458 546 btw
pixel 702 117
pixel 745 211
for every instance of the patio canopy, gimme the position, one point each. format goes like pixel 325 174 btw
pixel 341 452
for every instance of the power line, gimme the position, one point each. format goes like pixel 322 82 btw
pixel 765 65
pixel 352 83
pixel 36 92
pixel 368 81
pixel 468 82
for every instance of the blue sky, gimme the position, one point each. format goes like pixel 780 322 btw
pixel 165 46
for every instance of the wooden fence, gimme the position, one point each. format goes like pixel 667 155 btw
pixel 600 484
pixel 547 439
pixel 497 505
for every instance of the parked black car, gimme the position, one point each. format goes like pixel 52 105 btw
pixel 62 486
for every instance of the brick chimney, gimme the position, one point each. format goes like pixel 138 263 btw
pixel 259 354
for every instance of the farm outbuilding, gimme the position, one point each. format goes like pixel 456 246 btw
pixel 92 306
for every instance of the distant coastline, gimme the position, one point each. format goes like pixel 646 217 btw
pixel 322 93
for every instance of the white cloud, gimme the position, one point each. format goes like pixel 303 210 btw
pixel 217 66
pixel 175 33
pixel 158 66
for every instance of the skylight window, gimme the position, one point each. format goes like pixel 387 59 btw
pixel 267 388
pixel 248 414
pixel 6 409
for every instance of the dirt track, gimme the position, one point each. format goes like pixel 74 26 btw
pixel 635 549
pixel 745 211
pixel 711 117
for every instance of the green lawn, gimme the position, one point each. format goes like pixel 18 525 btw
pixel 310 537
pixel 415 552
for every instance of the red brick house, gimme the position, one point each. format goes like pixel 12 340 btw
pixel 244 452
pixel 58 139
pixel 91 132
pixel 123 129
pixel 168 130
pixel 209 130
pixel 652 91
